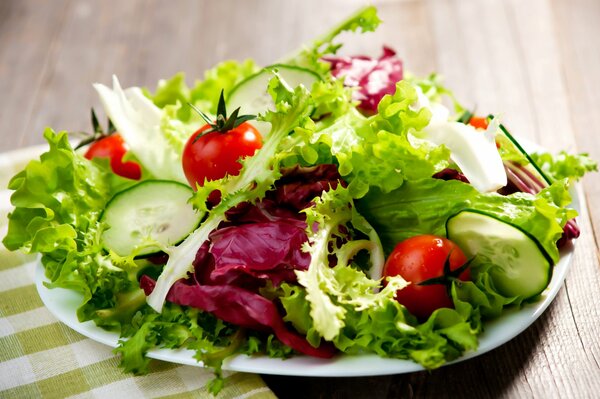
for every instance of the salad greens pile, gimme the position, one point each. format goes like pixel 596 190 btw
pixel 308 221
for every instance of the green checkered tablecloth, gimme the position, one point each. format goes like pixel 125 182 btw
pixel 41 357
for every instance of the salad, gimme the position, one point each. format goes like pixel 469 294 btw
pixel 322 205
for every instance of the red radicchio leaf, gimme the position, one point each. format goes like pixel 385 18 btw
pixel 450 174
pixel 240 307
pixel 570 232
pixel 264 241
pixel 274 246
pixel 299 186
pixel 263 245
pixel 373 77
pixel 211 272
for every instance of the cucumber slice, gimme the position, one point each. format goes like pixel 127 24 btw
pixel 251 94
pixel 523 268
pixel 155 210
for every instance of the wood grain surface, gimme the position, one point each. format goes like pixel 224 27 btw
pixel 536 63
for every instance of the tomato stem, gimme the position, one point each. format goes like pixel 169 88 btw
pixel 448 276
pixel 222 123
pixel 98 133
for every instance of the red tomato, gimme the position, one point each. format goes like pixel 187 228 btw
pixel 421 258
pixel 478 122
pixel 216 154
pixel 113 147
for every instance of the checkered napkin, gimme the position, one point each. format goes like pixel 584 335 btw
pixel 41 357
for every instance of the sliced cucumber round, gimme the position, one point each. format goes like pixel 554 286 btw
pixel 522 266
pixel 251 95
pixel 148 215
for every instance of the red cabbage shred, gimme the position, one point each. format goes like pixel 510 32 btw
pixel 373 77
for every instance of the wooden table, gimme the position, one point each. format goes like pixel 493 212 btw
pixel 537 63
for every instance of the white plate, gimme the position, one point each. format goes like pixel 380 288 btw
pixel 64 303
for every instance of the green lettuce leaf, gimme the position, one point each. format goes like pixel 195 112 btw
pixel 58 201
pixel 205 93
pixel 564 165
pixel 386 328
pixel 378 151
pixel 42 211
pixel 170 92
pixel 390 331
pixel 341 305
pixel 365 20
pixel 224 76
pixel 423 206
pixel 327 289
pixel 434 90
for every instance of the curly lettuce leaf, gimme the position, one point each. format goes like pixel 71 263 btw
pixel 378 151
pixel 43 206
pixel 386 328
pixel 332 99
pixel 205 93
pixel 434 90
pixel 327 289
pixel 58 201
pixel 390 331
pixel 179 327
pixel 365 20
pixel 564 165
pixel 224 76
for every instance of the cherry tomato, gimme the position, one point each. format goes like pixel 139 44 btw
pixel 422 258
pixel 113 147
pixel 478 122
pixel 216 154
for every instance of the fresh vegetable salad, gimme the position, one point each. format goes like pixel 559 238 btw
pixel 320 206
